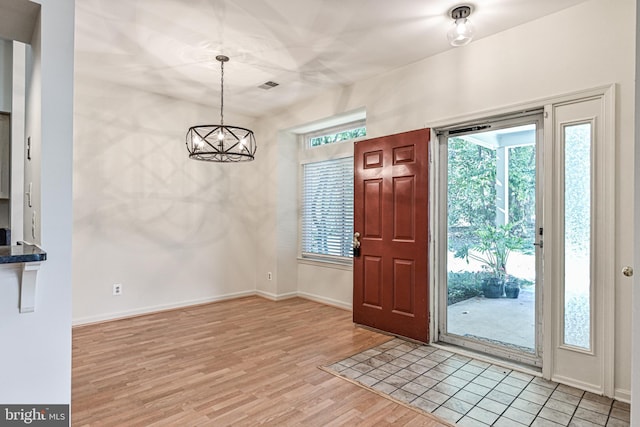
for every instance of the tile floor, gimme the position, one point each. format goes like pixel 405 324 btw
pixel 470 392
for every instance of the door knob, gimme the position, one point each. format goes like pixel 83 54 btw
pixel 356 244
pixel 627 271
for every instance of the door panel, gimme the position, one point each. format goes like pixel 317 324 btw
pixel 404 208
pixel 403 283
pixel 373 209
pixel 372 281
pixel 373 159
pixel 390 277
pixel 582 239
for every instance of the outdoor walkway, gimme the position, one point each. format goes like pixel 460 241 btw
pixel 510 321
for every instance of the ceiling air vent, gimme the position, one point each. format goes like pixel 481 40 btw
pixel 268 85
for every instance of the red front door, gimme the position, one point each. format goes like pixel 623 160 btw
pixel 391 213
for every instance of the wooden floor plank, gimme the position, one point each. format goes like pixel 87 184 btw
pixel 243 362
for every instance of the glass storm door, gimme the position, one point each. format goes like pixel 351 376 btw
pixel 489 203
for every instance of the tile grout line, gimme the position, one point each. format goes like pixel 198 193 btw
pixel 490 390
pixel 466 361
pixel 468 382
pixel 509 405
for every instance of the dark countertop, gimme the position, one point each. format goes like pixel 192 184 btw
pixel 21 253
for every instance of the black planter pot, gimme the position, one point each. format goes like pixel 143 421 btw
pixel 512 290
pixel 493 287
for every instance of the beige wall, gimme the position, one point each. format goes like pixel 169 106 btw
pixel 171 230
pixel 587 46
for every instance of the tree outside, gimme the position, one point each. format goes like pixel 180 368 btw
pixel 472 220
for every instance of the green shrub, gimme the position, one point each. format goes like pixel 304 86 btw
pixel 464 285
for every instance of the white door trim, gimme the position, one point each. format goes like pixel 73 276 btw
pixel 608 222
pixel 604 245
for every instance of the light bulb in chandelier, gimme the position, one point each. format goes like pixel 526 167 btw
pixel 196 141
pixel 221 135
pixel 462 30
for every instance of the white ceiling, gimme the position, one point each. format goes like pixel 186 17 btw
pixel 307 46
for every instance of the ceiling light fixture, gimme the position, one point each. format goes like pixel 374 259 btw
pixel 221 143
pixel 461 31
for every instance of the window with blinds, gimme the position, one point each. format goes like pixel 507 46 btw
pixel 327 209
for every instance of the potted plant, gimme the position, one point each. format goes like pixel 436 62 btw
pixel 512 288
pixel 492 249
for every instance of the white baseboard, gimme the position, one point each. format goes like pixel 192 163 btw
pixel 328 301
pixel 156 308
pixel 311 297
pixel 622 395
pixel 163 307
pixel 276 297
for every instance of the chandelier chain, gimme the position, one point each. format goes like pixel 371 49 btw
pixel 222 93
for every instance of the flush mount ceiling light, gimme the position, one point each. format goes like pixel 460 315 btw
pixel 461 31
pixel 221 143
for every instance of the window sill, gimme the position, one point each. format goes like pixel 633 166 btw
pixel 326 264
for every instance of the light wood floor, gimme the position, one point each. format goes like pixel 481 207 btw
pixel 243 362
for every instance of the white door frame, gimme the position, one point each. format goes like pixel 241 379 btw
pixel 608 94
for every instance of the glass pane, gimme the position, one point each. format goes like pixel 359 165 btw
pixel 340 136
pixel 577 235
pixel 491 268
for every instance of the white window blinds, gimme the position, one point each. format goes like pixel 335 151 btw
pixel 327 208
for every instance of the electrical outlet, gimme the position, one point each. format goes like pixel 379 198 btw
pixel 117 289
pixel 269 276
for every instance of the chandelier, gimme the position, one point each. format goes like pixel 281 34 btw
pixel 221 143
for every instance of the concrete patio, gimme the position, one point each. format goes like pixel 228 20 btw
pixel 506 320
